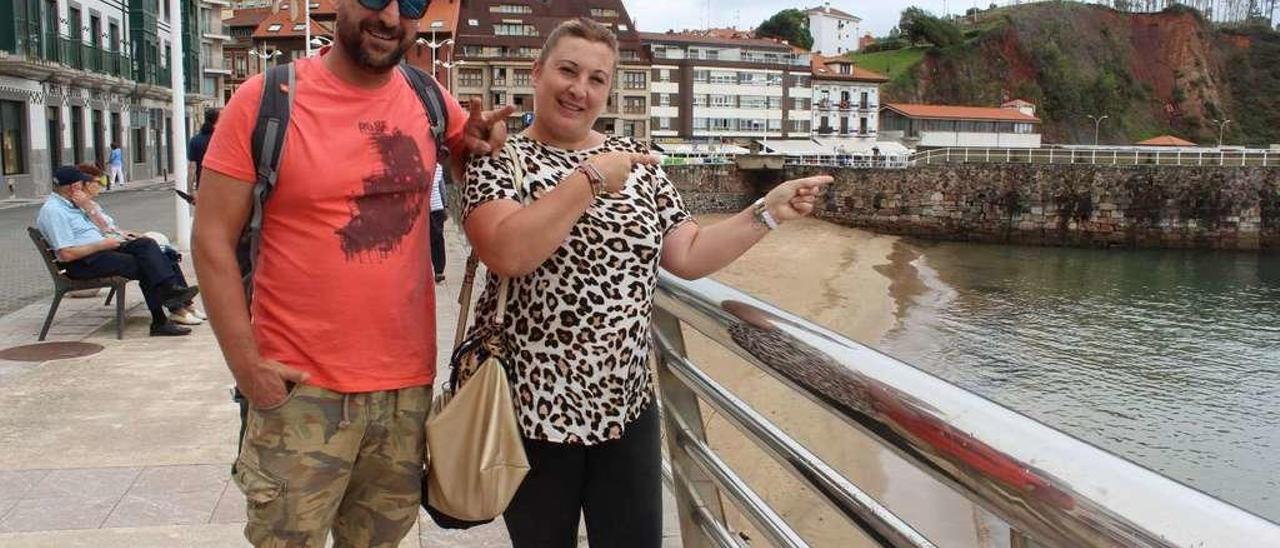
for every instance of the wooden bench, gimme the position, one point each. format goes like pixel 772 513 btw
pixel 63 284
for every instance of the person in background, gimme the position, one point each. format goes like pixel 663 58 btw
pixel 438 217
pixel 583 258
pixel 116 163
pixel 198 145
pixel 184 314
pixel 87 252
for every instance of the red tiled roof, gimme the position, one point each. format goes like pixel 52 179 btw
pixel 823 70
pixel 947 112
pixel 832 11
pixel 444 11
pixel 1166 141
pixel 286 22
pixel 681 38
pixel 249 17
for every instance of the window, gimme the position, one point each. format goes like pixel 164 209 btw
pixel 664 75
pixel 723 101
pixel 470 78
pixel 701 76
pixel 275 27
pixel 1022 128
pixel 299 27
pixel 664 99
pixel 753 101
pixel 514 29
pixel 499 76
pixel 523 78
pixel 12 138
pixel 634 80
pixel 510 8
pixel 718 77
pixel 473 22
pixel 499 99
pixel 139 143
pixel 699 100
pixel 603 12
pixel 633 105
pixel 699 123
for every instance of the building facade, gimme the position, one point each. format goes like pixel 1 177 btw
pixel 497 41
pixel 76 76
pixel 1012 125
pixel 834 32
pixel 846 99
pixel 706 89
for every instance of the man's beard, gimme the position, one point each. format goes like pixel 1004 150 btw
pixel 352 39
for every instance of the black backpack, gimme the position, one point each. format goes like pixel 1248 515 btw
pixel 269 139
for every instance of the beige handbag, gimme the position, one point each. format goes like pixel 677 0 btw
pixel 475 452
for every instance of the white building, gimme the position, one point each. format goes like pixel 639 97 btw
pixel 834 32
pixel 1012 125
pixel 710 88
pixel 846 99
pixel 77 75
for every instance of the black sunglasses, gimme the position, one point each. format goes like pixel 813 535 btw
pixel 409 9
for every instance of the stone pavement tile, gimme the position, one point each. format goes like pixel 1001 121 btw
pixel 57 513
pixel 183 536
pixel 202 478
pixel 15 484
pixel 158 509
pixel 492 535
pixel 231 506
pixel 109 483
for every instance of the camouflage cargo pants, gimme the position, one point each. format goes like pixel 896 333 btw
pixel 322 460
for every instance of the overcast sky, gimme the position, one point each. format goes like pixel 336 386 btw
pixel 877 17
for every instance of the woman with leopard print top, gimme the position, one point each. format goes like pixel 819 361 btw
pixel 583 259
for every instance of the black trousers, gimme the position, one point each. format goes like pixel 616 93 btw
pixel 616 485
pixel 138 259
pixel 437 240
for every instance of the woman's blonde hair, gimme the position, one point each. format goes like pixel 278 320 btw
pixel 583 28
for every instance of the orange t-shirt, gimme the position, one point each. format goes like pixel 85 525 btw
pixel 344 288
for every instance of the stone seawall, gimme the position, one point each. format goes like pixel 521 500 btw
pixel 1205 207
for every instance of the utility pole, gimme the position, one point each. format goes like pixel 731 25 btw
pixel 1097 123
pixel 179 127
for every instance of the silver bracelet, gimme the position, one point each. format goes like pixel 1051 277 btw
pixel 762 215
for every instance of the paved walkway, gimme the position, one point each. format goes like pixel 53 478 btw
pixel 131 446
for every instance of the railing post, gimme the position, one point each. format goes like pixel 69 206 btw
pixel 1073 155
pixel 678 399
pixel 966 155
pixel 1008 156
pixel 1050 156
pixel 1115 157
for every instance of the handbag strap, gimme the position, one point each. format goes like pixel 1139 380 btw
pixel 473 261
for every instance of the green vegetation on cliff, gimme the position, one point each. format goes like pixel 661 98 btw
pixel 1170 72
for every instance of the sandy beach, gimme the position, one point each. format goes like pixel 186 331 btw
pixel 859 284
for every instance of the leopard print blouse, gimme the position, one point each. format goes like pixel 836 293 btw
pixel 578 326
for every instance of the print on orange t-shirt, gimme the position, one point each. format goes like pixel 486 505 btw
pixel 344 287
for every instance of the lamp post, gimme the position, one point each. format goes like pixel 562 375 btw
pixel 1222 125
pixel 448 68
pixel 264 55
pixel 178 130
pixel 319 42
pixel 1097 123
pixel 434 45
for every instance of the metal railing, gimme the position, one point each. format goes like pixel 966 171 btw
pixel 863 161
pixel 1051 488
pixel 1106 156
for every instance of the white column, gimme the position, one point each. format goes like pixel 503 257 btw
pixel 179 129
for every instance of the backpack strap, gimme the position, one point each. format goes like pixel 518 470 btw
pixel 428 90
pixel 268 147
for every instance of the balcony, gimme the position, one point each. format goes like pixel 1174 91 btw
pixel 216 67
pixel 37 51
pixel 865 107
pixel 634 109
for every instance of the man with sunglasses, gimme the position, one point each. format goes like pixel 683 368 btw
pixel 338 360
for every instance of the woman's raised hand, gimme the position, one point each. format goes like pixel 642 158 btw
pixel 795 198
pixel 615 167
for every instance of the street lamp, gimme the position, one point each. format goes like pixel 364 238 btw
pixel 1221 126
pixel 448 68
pixel 1097 123
pixel 265 56
pixel 320 41
pixel 434 45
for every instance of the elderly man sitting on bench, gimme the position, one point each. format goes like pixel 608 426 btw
pixel 86 252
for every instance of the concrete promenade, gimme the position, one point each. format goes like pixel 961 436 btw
pixel 132 446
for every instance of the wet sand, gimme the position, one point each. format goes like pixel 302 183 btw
pixel 858 284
